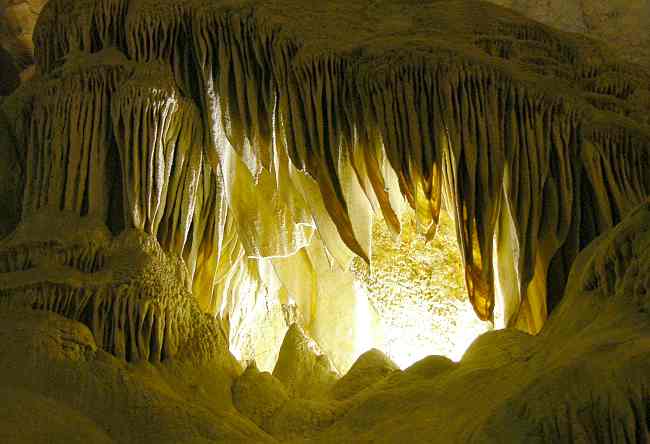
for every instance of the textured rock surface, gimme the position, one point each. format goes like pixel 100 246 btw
pixel 498 101
pixel 51 366
pixel 624 24
pixel 370 368
pixel 17 21
pixel 583 379
pixel 11 178
pixel 131 295
pixel 179 156
pixel 417 287
pixel 258 395
pixel 10 76
pixel 305 372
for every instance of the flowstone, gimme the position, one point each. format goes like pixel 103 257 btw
pixel 259 136
pixel 180 161
pixel 133 296
pixel 584 378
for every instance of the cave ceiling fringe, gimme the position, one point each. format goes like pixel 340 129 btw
pixel 233 107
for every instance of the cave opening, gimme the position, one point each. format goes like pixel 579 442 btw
pixel 416 289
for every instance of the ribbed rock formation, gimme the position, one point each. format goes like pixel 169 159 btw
pixel 583 379
pixel 176 161
pixel 243 141
pixel 134 298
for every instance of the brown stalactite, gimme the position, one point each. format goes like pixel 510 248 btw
pixel 184 183
pixel 491 120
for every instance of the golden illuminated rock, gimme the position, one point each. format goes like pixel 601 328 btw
pixel 191 178
pixel 418 291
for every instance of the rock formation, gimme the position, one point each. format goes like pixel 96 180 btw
pixel 623 25
pixel 171 164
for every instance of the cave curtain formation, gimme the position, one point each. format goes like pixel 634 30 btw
pixel 233 131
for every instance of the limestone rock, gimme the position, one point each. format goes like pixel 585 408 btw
pixel 223 160
pixel 11 178
pixel 258 395
pixel 170 149
pixel 370 368
pixel 430 367
pixel 624 25
pixel 583 379
pixel 28 417
pixel 10 76
pixel 130 293
pixel 17 21
pixel 298 419
pixel 304 371
pixel 62 387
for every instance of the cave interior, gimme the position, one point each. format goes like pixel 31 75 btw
pixel 351 221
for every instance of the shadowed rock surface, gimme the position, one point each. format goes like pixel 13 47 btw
pixel 184 182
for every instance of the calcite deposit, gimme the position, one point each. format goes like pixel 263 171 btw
pixel 184 179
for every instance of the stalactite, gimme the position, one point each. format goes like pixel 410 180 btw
pixel 512 126
pixel 68 27
pixel 160 140
pixel 212 238
pixel 130 294
pixel 69 142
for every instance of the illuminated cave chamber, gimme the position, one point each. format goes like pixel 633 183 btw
pixel 198 177
pixel 416 290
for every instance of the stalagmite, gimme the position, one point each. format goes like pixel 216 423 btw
pixel 193 181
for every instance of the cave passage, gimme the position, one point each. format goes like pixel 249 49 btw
pixel 416 293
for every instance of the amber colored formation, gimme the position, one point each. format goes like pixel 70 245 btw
pixel 171 164
pixel 525 134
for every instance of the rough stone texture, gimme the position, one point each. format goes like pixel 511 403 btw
pixel 75 392
pixel 131 295
pixel 258 395
pixel 9 76
pixel 418 290
pixel 526 112
pixel 370 368
pixel 11 178
pixel 29 417
pixel 173 149
pixel 583 379
pixel 624 24
pixel 17 21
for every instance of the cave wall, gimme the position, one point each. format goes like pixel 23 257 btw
pixel 534 140
pixel 623 24
pixel 175 198
pixel 620 23
pixel 584 378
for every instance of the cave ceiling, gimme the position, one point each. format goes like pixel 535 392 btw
pixel 189 186
pixel 240 132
